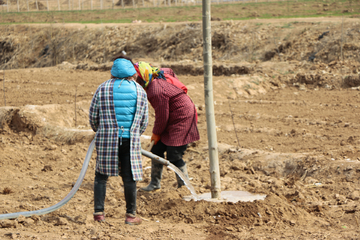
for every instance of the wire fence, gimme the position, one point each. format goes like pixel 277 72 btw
pixel 79 5
pixel 69 5
pixel 46 11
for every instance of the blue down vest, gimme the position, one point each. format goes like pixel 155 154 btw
pixel 125 105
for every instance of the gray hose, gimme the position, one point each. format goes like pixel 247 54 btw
pixel 62 202
pixel 76 186
pixel 155 157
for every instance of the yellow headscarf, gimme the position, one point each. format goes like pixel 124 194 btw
pixel 147 73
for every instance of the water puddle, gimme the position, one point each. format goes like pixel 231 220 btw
pixel 226 196
pixel 229 196
pixel 187 182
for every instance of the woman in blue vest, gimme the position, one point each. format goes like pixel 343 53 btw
pixel 119 115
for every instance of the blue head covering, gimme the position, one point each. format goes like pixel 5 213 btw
pixel 122 68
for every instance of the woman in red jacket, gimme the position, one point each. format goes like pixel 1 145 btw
pixel 175 119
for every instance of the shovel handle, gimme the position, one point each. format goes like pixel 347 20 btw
pixel 151 145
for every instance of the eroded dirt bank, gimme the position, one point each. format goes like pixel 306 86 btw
pixel 315 40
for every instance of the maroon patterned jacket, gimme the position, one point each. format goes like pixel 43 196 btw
pixel 175 113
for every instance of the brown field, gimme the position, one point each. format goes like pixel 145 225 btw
pixel 287 114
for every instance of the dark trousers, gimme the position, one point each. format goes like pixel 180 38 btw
pixel 127 177
pixel 173 154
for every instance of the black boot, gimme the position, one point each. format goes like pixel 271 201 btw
pixel 156 173
pixel 179 180
pixel 99 192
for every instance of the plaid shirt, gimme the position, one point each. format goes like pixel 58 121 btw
pixel 103 121
pixel 175 113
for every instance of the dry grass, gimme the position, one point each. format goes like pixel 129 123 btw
pixel 6 115
pixel 7 190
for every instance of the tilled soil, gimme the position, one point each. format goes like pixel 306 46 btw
pixel 299 147
pixel 287 129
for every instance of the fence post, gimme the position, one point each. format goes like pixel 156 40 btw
pixel 7 5
pixel 18 5
pixel 75 103
pixel 47 5
pixel 37 6
pixel 342 40
pixel 58 5
pixel 4 85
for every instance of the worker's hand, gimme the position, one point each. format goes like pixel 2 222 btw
pixel 155 138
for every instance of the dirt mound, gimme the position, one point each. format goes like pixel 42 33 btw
pixel 224 218
pixel 352 81
pixel 232 41
pixel 316 79
pixel 222 70
pixel 322 75
pixel 182 68
pixel 36 120
pixel 127 2
pixel 39 5
pixel 6 115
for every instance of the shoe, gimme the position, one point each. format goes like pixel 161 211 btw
pixel 149 188
pixel 99 217
pixel 132 220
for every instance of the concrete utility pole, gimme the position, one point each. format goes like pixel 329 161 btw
pixel 209 102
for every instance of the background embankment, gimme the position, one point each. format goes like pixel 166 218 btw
pixel 320 41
